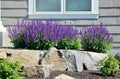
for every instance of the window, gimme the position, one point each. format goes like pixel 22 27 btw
pixel 48 5
pixel 63 9
pixel 78 5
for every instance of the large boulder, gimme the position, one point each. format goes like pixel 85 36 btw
pixel 26 57
pixel 90 59
pixel 82 60
pixel 70 59
pixel 55 57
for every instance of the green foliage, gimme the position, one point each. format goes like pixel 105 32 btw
pixel 76 44
pixel 109 66
pixel 10 70
pixel 97 46
pixel 68 44
pixel 45 44
pixel 33 45
pixel 19 42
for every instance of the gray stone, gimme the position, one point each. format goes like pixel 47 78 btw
pixel 39 71
pixel 117 56
pixel 70 60
pixel 89 59
pixel 47 69
pixel 55 57
pixel 31 71
pixel 79 60
pixel 41 56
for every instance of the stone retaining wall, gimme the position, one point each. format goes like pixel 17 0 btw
pixel 36 62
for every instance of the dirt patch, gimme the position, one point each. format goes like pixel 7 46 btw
pixel 83 75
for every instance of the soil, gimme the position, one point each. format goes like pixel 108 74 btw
pixel 80 75
pixel 83 75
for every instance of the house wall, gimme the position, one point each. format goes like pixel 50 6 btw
pixel 109 14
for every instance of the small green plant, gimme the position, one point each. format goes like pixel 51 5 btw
pixel 10 70
pixel 46 44
pixel 109 66
pixel 68 44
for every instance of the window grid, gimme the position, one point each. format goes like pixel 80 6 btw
pixel 63 9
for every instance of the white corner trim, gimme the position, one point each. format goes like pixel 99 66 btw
pixel 2 28
pixel 32 14
pixel 30 6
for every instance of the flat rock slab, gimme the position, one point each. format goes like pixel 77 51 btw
pixel 26 57
pixel 12 50
pixel 63 76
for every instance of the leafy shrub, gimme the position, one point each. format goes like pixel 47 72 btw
pixel 10 70
pixel 109 66
pixel 42 35
pixel 96 38
pixel 19 42
pixel 69 44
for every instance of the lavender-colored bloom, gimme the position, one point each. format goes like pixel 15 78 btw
pixel 37 31
pixel 17 30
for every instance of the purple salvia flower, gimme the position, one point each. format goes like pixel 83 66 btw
pixel 37 31
pixel 95 35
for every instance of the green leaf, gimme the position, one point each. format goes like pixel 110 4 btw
pixel 109 65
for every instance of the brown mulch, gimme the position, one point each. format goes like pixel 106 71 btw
pixel 83 75
pixel 77 75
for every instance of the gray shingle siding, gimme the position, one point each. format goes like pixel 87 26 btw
pixel 109 14
pixel 12 10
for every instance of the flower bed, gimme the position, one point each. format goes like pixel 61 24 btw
pixel 40 35
pixel 44 35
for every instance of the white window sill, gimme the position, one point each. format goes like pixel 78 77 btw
pixel 63 16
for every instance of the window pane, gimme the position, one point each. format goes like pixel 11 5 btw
pixel 78 5
pixel 48 5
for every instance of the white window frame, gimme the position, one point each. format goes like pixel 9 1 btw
pixel 33 14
